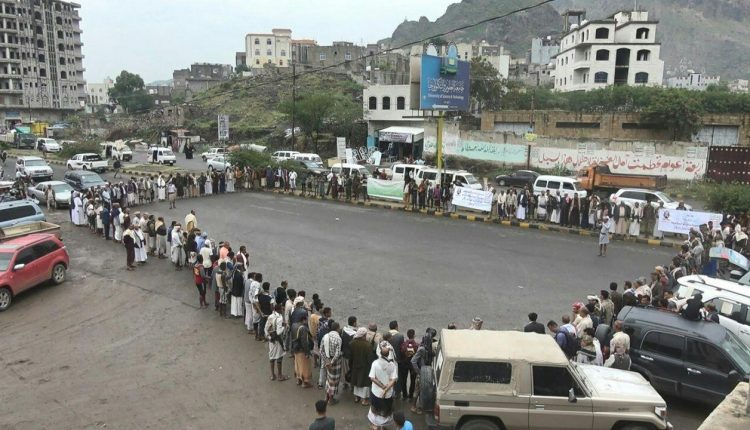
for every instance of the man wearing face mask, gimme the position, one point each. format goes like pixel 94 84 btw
pixel 178 256
pixel 384 375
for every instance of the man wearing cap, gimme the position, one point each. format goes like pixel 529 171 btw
pixel 383 375
pixel 476 324
pixel 604 236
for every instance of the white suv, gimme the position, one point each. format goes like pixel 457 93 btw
pixel 33 168
pixel 632 195
pixel 284 155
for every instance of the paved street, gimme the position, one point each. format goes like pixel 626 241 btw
pixel 136 346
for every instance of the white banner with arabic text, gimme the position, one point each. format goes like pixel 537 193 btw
pixel 473 199
pixel 674 221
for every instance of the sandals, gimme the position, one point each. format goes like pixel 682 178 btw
pixel 282 378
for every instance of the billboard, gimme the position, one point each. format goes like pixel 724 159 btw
pixel 444 83
pixel 223 125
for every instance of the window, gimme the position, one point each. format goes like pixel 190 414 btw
pixel 257 61
pixel 553 185
pixel 348 56
pixel 283 52
pixel 386 103
pixel 728 309
pixel 26 256
pixel 641 33
pixel 602 55
pixel 641 78
pixel 62 61
pixel 257 52
pixel 43 73
pixel 257 41
pixel 269 52
pixel 704 354
pixel 541 184
pixel 400 103
pixel 568 186
pixel 600 77
pixel 44 248
pixel 482 372
pixel 281 62
pixel 577 125
pixel 268 41
pixel 63 75
pixel 372 103
pixel 553 382
pixel 41 58
pixel 17 212
pixel 664 344
pixel 643 55
pixel 602 33
pixel 322 56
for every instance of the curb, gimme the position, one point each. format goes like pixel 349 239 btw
pixel 485 219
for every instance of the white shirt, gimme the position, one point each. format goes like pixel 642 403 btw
pixel 584 324
pixel 176 238
pixel 385 372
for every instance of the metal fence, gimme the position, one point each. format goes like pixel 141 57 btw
pixel 729 164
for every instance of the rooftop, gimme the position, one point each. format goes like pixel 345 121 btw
pixel 502 345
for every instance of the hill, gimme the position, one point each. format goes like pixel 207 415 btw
pixel 705 35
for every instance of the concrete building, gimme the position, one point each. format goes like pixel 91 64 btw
pixel 199 77
pixel 41 64
pixel 619 50
pixel 392 127
pixel 543 50
pixel 162 94
pixel 739 86
pixel 494 54
pixel 97 94
pixel 274 48
pixel 693 81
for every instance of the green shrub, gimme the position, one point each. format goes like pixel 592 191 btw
pixel 68 151
pixel 726 198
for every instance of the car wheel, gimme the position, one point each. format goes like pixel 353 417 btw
pixel 58 274
pixel 85 167
pixel 479 424
pixel 427 388
pixel 204 159
pixel 6 297
pixel 210 168
pixel 501 182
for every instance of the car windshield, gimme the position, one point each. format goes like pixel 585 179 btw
pixel 470 179
pixel 739 352
pixel 62 188
pixel 663 197
pixel 91 179
pixel 312 164
pixel 5 258
pixel 167 153
pixel 35 163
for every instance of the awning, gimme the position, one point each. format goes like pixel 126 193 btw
pixel 401 134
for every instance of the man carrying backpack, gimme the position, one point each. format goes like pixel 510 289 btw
pixel 567 341
pixel 408 348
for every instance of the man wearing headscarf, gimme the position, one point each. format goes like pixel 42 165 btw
pixel 476 324
pixel 330 354
pixel 128 239
pixel 384 375
pixel 237 308
pixel 362 356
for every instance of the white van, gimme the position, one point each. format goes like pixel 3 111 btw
pixel 400 170
pixel 563 184
pixel 349 168
pixel 732 300
pixel 284 155
pixel 449 176
pixel 161 155
pixel 315 158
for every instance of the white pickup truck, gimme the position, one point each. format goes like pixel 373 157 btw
pixel 87 161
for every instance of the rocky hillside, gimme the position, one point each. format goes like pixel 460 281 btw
pixel 705 35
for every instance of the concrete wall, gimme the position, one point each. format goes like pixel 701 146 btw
pixel 726 129
pixel 677 160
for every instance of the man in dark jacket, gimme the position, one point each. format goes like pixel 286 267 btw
pixel 533 326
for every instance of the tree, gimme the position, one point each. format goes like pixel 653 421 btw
pixel 241 68
pixel 129 92
pixel 311 113
pixel 677 110
pixel 487 88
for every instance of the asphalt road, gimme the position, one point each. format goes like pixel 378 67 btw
pixel 378 265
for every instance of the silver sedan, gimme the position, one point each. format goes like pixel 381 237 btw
pixel 62 192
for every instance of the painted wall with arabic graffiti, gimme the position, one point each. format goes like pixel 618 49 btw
pixel 677 160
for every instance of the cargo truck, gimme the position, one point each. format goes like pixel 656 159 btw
pixel 599 178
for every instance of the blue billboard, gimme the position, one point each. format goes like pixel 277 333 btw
pixel 444 83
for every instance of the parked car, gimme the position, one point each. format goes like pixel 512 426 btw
pixel 696 360
pixel 312 167
pixel 118 150
pixel 519 178
pixel 349 169
pixel 28 261
pixel 62 193
pixel 24 140
pixel 398 171
pixel 214 152
pixel 308 157
pixel 218 163
pixel 34 168
pixel 82 180
pixel 466 179
pixel 87 161
pixel 48 145
pixel 632 195
pixel 20 212
pixel 493 380
pixel 553 184
pixel 283 155
pixel 161 155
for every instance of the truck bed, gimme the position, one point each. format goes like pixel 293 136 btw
pixel 30 228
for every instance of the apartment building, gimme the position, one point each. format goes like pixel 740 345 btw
pixel 693 81
pixel 274 48
pixel 97 93
pixel 619 50
pixel 199 77
pixel 41 64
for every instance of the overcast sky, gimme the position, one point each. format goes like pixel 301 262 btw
pixel 154 37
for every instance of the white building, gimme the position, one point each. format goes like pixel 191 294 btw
pixel 619 50
pixel 494 54
pixel 97 94
pixel 739 86
pixel 273 48
pixel 693 81
pixel 392 127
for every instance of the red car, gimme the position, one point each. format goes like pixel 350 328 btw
pixel 28 261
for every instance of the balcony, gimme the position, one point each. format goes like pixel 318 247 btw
pixel 11 90
pixel 10 60
pixel 583 64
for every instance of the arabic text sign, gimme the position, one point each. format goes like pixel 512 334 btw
pixel 473 199
pixel 444 87
pixel 340 148
pixel 386 190
pixel 674 221
pixel 488 151
pixel 223 126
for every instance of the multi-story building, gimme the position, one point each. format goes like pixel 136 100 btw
pixel 392 126
pixel 739 86
pixel 199 77
pixel 97 94
pixel 41 64
pixel 693 81
pixel 543 50
pixel 619 50
pixel 273 48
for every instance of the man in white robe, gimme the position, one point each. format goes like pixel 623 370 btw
pixel 161 186
pixel 78 215
pixel 177 252
pixel 141 253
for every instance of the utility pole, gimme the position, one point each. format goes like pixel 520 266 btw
pixel 439 149
pixel 294 101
